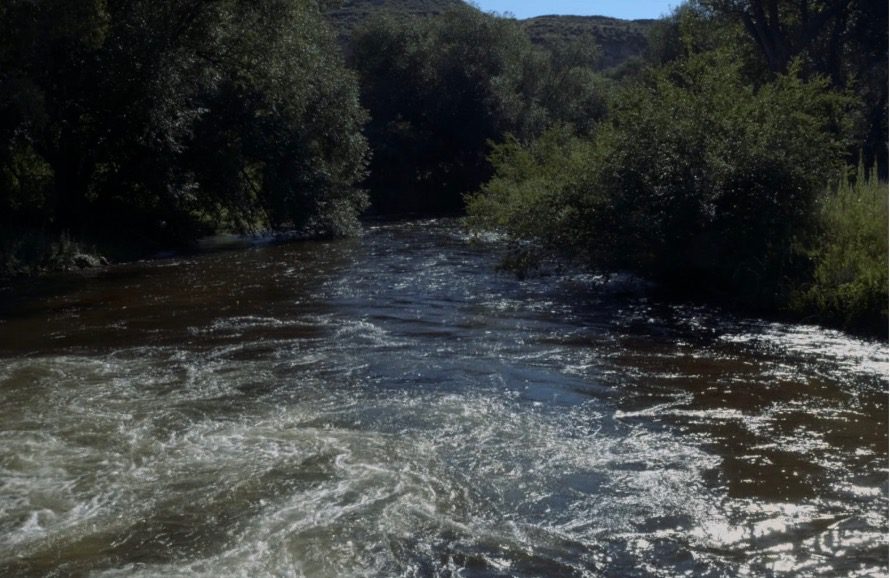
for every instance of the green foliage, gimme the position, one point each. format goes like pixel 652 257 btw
pixel 440 90
pixel 710 169
pixel 527 196
pixel 843 40
pixel 692 29
pixel 164 120
pixel 849 283
pixel 287 132
pixel 347 15
pixel 572 92
pixel 697 177
pixel 614 40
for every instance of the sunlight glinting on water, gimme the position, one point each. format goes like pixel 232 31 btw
pixel 450 421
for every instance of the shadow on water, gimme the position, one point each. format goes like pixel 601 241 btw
pixel 166 302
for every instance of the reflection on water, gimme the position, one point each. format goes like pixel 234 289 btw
pixel 391 406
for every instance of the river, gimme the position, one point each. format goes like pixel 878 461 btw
pixel 393 405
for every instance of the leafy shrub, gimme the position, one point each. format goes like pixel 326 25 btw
pixel 532 195
pixel 698 179
pixel 849 283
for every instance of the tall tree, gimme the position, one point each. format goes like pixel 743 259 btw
pixel 161 116
pixel 844 40
pixel 440 90
pixel 784 29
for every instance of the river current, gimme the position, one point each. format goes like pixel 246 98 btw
pixel 393 405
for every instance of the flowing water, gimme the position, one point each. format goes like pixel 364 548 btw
pixel 394 406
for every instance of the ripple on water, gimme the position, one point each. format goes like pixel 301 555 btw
pixel 416 414
pixel 295 479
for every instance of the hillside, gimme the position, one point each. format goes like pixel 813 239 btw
pixel 617 39
pixel 347 14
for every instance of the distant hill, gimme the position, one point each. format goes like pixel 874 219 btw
pixel 618 40
pixel 347 14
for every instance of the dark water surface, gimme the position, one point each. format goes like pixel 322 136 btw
pixel 393 406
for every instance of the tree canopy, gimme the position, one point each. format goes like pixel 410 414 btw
pixel 165 119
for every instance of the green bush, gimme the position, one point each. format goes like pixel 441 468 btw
pixel 698 179
pixel 532 196
pixel 849 284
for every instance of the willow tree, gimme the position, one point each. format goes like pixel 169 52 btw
pixel 168 118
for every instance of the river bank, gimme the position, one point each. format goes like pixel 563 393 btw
pixel 42 255
pixel 31 253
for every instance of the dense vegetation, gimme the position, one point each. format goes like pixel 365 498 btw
pixel 709 149
pixel 848 286
pixel 712 168
pixel 440 90
pixel 617 40
pixel 347 15
pixel 155 122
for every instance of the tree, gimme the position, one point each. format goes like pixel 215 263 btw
pixel 844 40
pixel 47 69
pixel 785 29
pixel 167 119
pixel 440 90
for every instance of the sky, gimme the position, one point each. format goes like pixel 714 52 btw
pixel 628 9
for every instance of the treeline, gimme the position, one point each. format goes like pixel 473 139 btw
pixel 725 164
pixel 440 90
pixel 154 122
pixel 725 158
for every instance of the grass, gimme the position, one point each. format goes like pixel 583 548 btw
pixel 849 283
